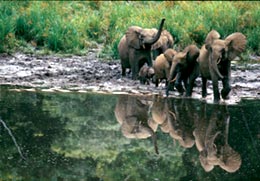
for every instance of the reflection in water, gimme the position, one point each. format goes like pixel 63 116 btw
pixel 132 114
pixel 185 123
pixel 211 135
pixel 76 136
pixel 13 138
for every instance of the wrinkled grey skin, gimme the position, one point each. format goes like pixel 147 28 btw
pixel 131 113
pixel 135 48
pixel 215 60
pixel 184 69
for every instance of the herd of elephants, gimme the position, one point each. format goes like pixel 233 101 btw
pixel 188 122
pixel 149 55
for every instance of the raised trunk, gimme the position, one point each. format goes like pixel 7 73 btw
pixel 214 65
pixel 152 41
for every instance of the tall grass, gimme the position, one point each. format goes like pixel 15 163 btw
pixel 72 26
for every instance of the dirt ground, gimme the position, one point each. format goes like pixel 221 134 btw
pixel 88 73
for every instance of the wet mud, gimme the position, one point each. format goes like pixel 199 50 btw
pixel 89 73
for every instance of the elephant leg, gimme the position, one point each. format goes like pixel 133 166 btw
pixel 123 71
pixel 134 70
pixel 178 83
pixel 190 87
pixel 226 88
pixel 170 87
pixel 192 78
pixel 215 90
pixel 185 82
pixel 156 82
pixel 204 87
pixel 166 83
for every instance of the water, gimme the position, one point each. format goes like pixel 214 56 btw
pixel 76 136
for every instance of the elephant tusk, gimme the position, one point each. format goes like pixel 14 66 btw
pixel 173 80
pixel 218 61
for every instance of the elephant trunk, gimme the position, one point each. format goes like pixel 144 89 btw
pixel 154 138
pixel 152 41
pixel 214 64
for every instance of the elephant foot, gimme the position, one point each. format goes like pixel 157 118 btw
pixel 179 88
pixel 225 92
pixel 216 101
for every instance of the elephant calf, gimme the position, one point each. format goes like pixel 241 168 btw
pixel 145 74
pixel 184 69
pixel 215 61
pixel 162 66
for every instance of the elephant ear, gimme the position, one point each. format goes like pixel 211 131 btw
pixel 236 43
pixel 180 57
pixel 132 37
pixel 212 35
pixel 230 160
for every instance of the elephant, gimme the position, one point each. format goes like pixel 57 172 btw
pixel 145 74
pixel 131 112
pixel 181 113
pixel 184 69
pixel 135 48
pixel 173 119
pixel 162 66
pixel 211 139
pixel 215 61
pixel 165 42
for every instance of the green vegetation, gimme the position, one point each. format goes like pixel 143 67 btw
pixel 75 26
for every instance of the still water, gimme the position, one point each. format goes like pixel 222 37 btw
pixel 86 136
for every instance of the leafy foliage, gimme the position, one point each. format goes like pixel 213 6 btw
pixel 71 26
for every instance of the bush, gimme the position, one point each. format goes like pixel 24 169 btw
pixel 69 26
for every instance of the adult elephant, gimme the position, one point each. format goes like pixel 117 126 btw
pixel 184 69
pixel 135 48
pixel 211 138
pixel 215 59
pixel 165 42
pixel 132 114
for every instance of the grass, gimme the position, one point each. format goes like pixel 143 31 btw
pixel 75 26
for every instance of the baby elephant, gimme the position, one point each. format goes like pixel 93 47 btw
pixel 145 74
pixel 162 66
pixel 184 69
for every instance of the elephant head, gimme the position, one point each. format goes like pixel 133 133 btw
pixel 223 50
pixel 143 38
pixel 132 114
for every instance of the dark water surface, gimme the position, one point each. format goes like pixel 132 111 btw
pixel 86 136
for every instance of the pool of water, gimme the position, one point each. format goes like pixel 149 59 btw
pixel 87 136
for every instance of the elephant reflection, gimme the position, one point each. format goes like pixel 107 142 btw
pixel 191 124
pixel 211 138
pixel 171 115
pixel 132 114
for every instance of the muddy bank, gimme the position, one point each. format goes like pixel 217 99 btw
pixel 87 73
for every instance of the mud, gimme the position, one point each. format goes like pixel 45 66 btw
pixel 89 73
